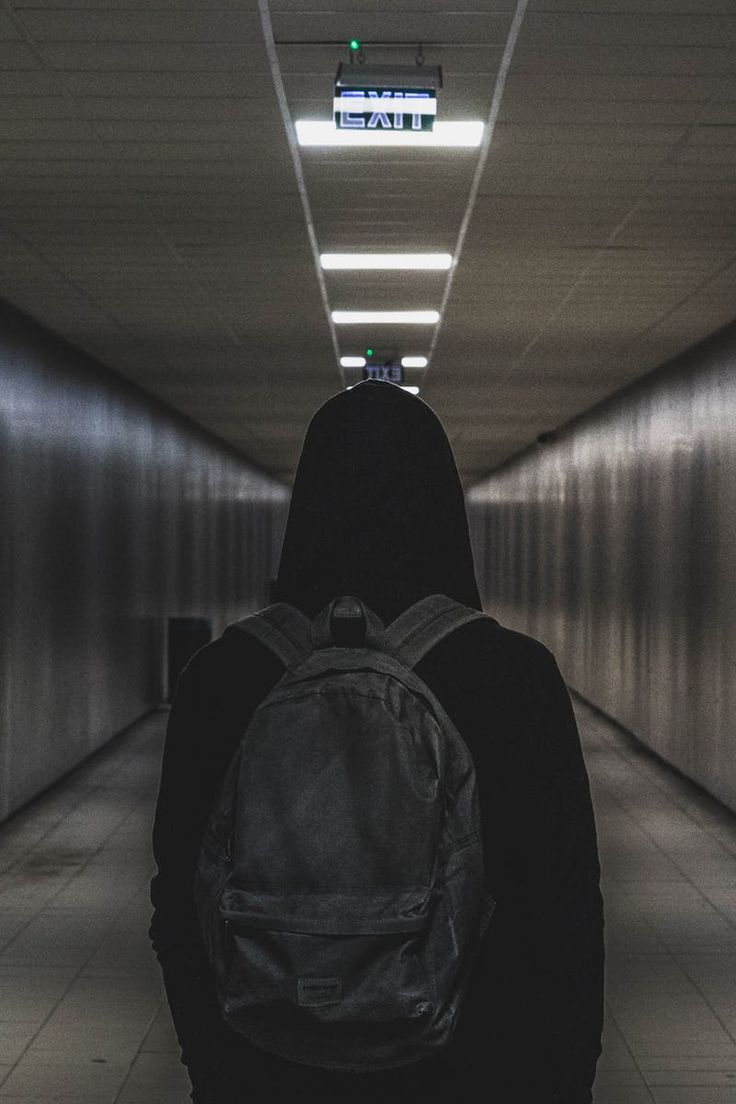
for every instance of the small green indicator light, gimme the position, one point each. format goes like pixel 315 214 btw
pixel 354 44
pixel 369 352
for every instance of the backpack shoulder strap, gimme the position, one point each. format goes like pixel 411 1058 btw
pixel 416 631
pixel 284 630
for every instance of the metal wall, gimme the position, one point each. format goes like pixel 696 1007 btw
pixel 116 513
pixel 616 546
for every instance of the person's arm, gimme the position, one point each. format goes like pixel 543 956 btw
pixel 208 715
pixel 189 775
pixel 569 954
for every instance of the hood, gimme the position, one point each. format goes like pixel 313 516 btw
pixel 377 509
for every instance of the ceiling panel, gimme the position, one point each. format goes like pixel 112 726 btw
pixel 392 24
pixel 72 24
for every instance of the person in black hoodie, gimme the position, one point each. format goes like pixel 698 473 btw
pixel 377 511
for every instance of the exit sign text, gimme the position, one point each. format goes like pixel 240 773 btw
pixel 384 109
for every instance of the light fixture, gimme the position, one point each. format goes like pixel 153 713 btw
pixel 425 261
pixel 312 132
pixel 389 318
pixel 414 362
pixel 403 386
pixel 352 362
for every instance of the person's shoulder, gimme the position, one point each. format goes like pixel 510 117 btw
pixel 231 654
pixel 488 634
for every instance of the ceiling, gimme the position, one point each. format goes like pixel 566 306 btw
pixel 156 211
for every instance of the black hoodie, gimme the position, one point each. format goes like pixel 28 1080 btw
pixel 377 508
pixel 377 511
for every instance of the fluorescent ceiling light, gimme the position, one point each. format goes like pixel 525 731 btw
pixel 352 362
pixel 386 260
pixel 311 132
pixel 413 362
pixel 403 386
pixel 390 318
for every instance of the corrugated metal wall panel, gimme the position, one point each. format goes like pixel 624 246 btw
pixel 116 514
pixel 616 546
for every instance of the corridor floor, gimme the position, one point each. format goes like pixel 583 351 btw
pixel 82 1016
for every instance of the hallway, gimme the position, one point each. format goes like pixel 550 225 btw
pixel 82 1016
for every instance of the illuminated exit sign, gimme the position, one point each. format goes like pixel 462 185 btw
pixel 382 97
pixel 384 109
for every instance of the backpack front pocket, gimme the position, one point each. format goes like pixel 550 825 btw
pixel 368 982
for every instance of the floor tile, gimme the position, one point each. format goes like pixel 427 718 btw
pixel 45 1072
pixel 156 1077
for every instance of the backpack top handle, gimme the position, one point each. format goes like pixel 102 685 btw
pixel 347 623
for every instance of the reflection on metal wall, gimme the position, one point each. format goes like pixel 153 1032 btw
pixel 115 514
pixel 616 546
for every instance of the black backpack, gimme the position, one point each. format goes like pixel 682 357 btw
pixel 340 883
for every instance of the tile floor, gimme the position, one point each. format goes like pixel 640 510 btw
pixel 82 1015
